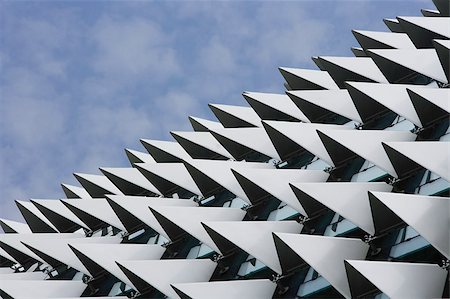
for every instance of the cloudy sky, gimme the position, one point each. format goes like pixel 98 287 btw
pixel 80 81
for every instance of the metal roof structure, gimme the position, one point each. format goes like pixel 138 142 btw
pixel 338 188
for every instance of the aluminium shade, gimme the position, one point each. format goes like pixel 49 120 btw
pixel 248 289
pixel 178 220
pixel 422 31
pixel 443 51
pixel 96 185
pixel 165 151
pixel 96 213
pixel 275 182
pixel 129 180
pixel 201 145
pixel 134 213
pixel 271 106
pixel 56 251
pixel 254 237
pixel 235 116
pixel 317 103
pixel 396 279
pixel 352 202
pixel 162 273
pixel 397 64
pixel 75 191
pixel 37 222
pixel 428 215
pixel 303 136
pixel 382 40
pixel 366 144
pixel 243 141
pixel 203 125
pixel 431 155
pixel 138 157
pixel 95 260
pixel 14 227
pixel 305 79
pixel 42 288
pixel 325 254
pixel 168 177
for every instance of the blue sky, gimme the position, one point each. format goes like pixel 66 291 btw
pixel 81 80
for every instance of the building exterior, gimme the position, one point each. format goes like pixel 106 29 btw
pixel 338 188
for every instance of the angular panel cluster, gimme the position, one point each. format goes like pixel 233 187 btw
pixel 338 188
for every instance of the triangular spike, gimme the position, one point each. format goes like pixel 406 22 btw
pixel 37 222
pixel 96 185
pixel 97 208
pixel 134 211
pixel 130 181
pixel 326 255
pixel 90 254
pixel 188 219
pixel 366 144
pixel 56 251
pixel 138 157
pixel 201 145
pixel 59 215
pixel 42 288
pixel 211 175
pixel 422 30
pixel 395 279
pixel 352 195
pixel 203 125
pixel 432 155
pixel 75 191
pixel 248 289
pixel 428 215
pixel 169 178
pixel 382 40
pixel 276 183
pixel 318 104
pixel 14 227
pixel 304 79
pixel 161 274
pixel 254 237
pixel 242 141
pixel 384 95
pixel 235 116
pixel 343 69
pixel 165 151
pixel 271 106
pixel 399 66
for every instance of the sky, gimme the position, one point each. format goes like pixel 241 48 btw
pixel 82 80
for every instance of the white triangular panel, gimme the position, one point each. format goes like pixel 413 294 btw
pixel 253 138
pixel 162 273
pixel 98 208
pixel 245 289
pixel 432 155
pixel 403 280
pixel 393 96
pixel 175 173
pixel 189 219
pixel 337 101
pixel 100 181
pixel 352 202
pixel 202 139
pixel 80 192
pixel 423 61
pixel 246 114
pixel 280 102
pixel 392 39
pixel 320 78
pixel 428 215
pixel 276 182
pixel 17 227
pixel 118 252
pixel 368 144
pixel 255 237
pixel 363 66
pixel 59 208
pixel 133 176
pixel 326 255
pixel 31 289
